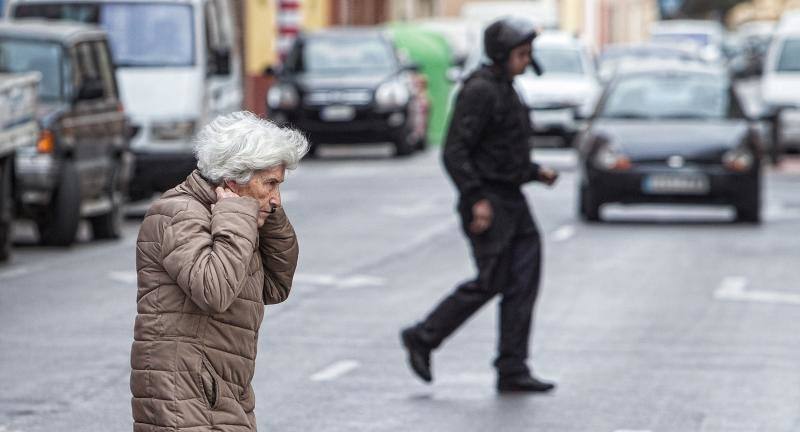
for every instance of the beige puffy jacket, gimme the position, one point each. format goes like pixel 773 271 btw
pixel 204 276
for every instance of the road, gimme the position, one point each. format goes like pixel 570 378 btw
pixel 660 320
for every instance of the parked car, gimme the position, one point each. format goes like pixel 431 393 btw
pixel 669 132
pixel 708 35
pixel 18 128
pixel 569 82
pixel 80 165
pixel 780 86
pixel 348 86
pixel 616 55
pixel 756 37
pixel 178 65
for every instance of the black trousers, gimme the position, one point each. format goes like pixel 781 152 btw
pixel 508 257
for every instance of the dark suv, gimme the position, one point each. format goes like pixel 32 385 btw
pixel 346 86
pixel 80 166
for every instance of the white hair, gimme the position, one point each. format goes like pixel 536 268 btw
pixel 234 146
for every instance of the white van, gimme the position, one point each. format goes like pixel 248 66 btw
pixel 780 84
pixel 178 67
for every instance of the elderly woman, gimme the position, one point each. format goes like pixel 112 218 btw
pixel 210 254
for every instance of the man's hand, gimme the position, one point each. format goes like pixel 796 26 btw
pixel 481 216
pixel 548 176
pixel 223 193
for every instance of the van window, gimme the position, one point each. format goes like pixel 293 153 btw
pixel 141 34
pixel 18 55
pixel 790 56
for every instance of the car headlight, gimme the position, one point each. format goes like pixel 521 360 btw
pixel 173 130
pixel 392 94
pixel 739 159
pixel 282 96
pixel 609 158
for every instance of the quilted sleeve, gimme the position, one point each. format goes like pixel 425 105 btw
pixel 208 256
pixel 279 252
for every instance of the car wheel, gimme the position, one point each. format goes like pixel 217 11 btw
pixel 748 214
pixel 59 226
pixel 403 146
pixel 422 143
pixel 589 207
pixel 6 206
pixel 109 225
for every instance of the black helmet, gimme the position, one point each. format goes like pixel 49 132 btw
pixel 506 34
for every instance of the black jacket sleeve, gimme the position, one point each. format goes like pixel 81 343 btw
pixel 473 109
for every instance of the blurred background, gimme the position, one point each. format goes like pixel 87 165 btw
pixel 670 289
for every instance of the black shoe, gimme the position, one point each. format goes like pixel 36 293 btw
pixel 523 383
pixel 419 356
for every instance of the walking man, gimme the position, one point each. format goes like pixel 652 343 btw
pixel 487 154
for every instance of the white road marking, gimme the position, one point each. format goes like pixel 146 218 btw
pixel 344 282
pixel 126 277
pixel 359 281
pixel 12 273
pixel 335 370
pixel 315 279
pixel 632 430
pixel 563 233
pixel 734 289
pixel 423 208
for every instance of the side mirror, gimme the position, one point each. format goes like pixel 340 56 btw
pixel 271 71
pixel 219 62
pixel 454 73
pixel 90 90
pixel 412 67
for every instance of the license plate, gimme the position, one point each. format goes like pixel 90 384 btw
pixel 680 184
pixel 337 113
pixel 543 119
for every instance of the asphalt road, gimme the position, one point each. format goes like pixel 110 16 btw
pixel 660 320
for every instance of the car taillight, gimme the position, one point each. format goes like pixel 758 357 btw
pixel 609 158
pixel 46 142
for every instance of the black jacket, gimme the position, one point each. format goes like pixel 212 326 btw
pixel 487 148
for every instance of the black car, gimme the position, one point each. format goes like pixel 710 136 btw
pixel 670 133
pixel 346 86
pixel 80 166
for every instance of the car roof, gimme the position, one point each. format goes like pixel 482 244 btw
pixel 347 31
pixel 557 38
pixel 59 31
pixel 669 66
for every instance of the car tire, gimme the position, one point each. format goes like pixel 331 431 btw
pixel 6 206
pixel 750 214
pixel 588 205
pixel 59 226
pixel 422 143
pixel 109 225
pixel 403 145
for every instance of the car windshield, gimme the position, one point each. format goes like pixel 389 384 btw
pixel 790 56
pixel 141 34
pixel 340 54
pixel 553 60
pixel 701 39
pixel 668 96
pixel 17 55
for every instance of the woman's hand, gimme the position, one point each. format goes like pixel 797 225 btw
pixel 223 193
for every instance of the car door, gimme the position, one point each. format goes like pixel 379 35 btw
pixel 113 140
pixel 93 118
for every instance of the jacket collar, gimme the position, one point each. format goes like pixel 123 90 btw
pixel 199 188
pixel 496 73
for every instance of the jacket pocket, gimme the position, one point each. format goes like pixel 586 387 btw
pixel 209 384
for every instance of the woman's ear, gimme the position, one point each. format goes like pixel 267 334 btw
pixel 232 185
